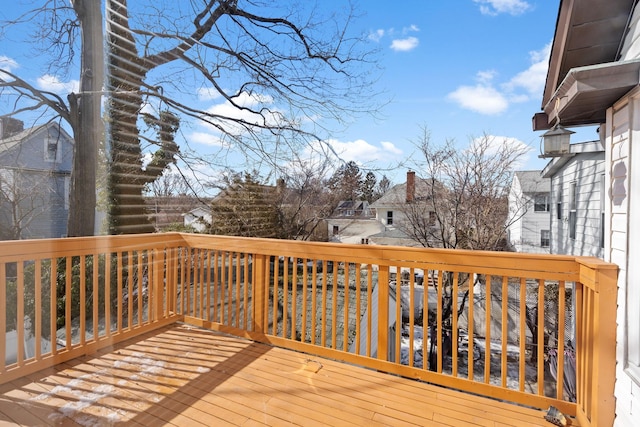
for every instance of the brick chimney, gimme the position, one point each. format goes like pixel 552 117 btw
pixel 411 186
pixel 10 126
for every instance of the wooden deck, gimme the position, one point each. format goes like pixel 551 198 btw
pixel 183 376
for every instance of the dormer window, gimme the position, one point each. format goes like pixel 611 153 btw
pixel 51 149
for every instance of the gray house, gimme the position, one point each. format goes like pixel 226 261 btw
pixel 578 200
pixel 35 171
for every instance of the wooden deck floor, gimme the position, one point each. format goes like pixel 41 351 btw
pixel 182 376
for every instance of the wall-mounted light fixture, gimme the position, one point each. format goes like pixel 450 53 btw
pixel 555 142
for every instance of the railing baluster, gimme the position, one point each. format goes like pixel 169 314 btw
pixel 369 310
pixel 37 296
pixel 53 303
pixel 504 322
pixel 561 340
pixel 285 296
pixel 323 311
pixel 439 348
pixel 523 337
pixel 412 306
pixel 454 322
pixel 345 315
pixel 470 326
pixel 20 313
pixel 314 301
pixel 67 309
pixel 274 303
pixel 83 298
pixel 3 318
pixel 398 328
pixel 487 327
pixel 383 312
pixel 540 337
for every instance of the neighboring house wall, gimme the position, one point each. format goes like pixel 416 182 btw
pixel 198 218
pixel 35 170
pixel 352 230
pixel 578 200
pixel 529 207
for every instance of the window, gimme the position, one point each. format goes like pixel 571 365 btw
pixel 389 217
pixel 545 238
pixel 541 203
pixel 336 230
pixel 50 149
pixel 432 219
pixel 573 207
pixel 559 204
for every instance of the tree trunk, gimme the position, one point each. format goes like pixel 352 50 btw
pixel 86 121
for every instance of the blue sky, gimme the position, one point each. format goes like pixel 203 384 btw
pixel 461 68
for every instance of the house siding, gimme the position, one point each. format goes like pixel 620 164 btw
pixel 44 185
pixel 525 231
pixel 623 182
pixel 585 170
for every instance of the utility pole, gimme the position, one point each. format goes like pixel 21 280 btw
pixel 86 118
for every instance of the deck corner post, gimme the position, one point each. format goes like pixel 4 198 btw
pixel 599 279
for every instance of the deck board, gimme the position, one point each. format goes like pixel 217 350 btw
pixel 180 375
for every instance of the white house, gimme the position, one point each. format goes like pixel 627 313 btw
pixel 578 200
pixel 594 79
pixel 529 206
pixel 391 208
pixel 198 218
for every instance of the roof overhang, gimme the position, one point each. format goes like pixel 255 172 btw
pixel 586 92
pixel 588 33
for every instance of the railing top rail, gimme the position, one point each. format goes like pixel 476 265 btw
pixel 15 250
pixel 542 266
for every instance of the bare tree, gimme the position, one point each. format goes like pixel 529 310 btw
pixel 285 71
pixel 305 202
pixel 462 202
pixel 63 29
pixel 24 198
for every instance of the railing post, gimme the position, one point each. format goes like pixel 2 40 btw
pixel 260 291
pixel 383 313
pixel 600 280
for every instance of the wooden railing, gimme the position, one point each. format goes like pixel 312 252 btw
pixel 508 326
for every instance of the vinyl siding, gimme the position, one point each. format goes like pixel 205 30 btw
pixel 623 247
pixel 586 171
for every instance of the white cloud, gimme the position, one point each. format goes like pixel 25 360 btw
pixel 410 29
pixel 7 63
pixel 482 98
pixel 496 7
pixel 533 78
pixel 404 45
pixel 489 98
pixel 208 94
pixel 53 84
pixel 206 139
pixel 498 143
pixel 228 113
pixel 376 35
pixel 361 151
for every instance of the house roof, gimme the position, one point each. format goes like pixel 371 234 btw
pixel 12 141
pixel 583 79
pixel 574 150
pixel 397 194
pixel 533 182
